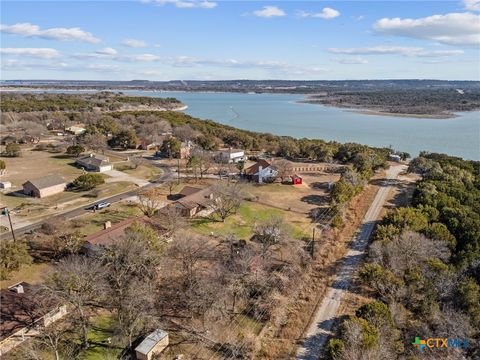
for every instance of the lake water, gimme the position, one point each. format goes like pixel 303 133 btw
pixel 282 114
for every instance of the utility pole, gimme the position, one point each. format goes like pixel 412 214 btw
pixel 312 248
pixel 7 212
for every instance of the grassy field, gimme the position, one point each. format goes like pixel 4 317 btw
pixel 35 164
pixel 92 223
pixel 144 171
pixel 33 274
pixel 243 223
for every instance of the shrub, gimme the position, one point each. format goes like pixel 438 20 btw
pixel 88 181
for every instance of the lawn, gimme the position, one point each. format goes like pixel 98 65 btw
pixel 33 274
pixel 242 224
pixel 144 171
pixel 36 164
pixel 91 223
pixel 100 331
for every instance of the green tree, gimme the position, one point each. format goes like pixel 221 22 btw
pixel 125 139
pixel 13 150
pixel 171 147
pixel 75 150
pixel 88 181
pixel 13 255
pixel 376 313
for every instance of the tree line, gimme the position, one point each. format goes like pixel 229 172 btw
pixel 423 269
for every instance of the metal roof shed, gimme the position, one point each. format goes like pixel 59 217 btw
pixel 154 343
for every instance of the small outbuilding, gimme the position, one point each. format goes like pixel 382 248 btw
pixel 5 184
pixel 230 156
pixel 153 344
pixel 76 129
pixel 394 157
pixel 95 162
pixel 44 186
pixel 296 180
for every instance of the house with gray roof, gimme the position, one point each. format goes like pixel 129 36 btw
pixel 44 186
pixel 153 344
pixel 94 162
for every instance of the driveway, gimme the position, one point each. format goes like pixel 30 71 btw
pixel 322 325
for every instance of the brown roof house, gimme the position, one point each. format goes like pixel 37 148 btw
pixel 152 345
pixel 97 242
pixel 44 186
pixel 193 200
pixel 94 162
pixel 20 313
pixel 261 171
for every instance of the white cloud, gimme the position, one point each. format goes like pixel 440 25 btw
pixel 30 30
pixel 473 5
pixel 326 13
pixel 395 50
pixel 107 51
pixel 134 43
pixel 45 53
pixel 188 4
pixel 354 60
pixel 269 11
pixel 451 29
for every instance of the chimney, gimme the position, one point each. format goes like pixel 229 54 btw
pixel 107 225
pixel 260 180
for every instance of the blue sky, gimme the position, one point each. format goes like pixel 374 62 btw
pixel 207 39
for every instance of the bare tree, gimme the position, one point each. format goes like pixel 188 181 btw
pixel 78 282
pixel 136 161
pixel 185 133
pixel 284 168
pixel 32 129
pixel 227 198
pixel 269 233
pixel 187 252
pixel 171 219
pixel 149 201
pixel 95 141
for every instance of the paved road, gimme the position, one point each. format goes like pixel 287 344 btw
pixel 73 213
pixel 321 328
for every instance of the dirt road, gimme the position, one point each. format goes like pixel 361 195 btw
pixel 322 325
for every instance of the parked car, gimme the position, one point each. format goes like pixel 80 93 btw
pixel 99 206
pixel 102 205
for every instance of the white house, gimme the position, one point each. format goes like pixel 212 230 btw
pixel 76 129
pixel 261 171
pixel 231 156
pixel 95 162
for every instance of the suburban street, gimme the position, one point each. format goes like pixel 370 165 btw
pixel 325 317
pixel 166 176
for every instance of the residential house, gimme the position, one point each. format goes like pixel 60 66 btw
pixel 261 171
pixel 97 242
pixel 152 345
pixel 193 200
pixel 21 312
pixel 230 156
pixel 94 162
pixel 44 186
pixel 76 129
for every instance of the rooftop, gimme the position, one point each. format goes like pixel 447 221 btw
pixel 201 197
pixel 150 341
pixel 46 181
pixel 252 170
pixel 19 309
pixel 93 159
